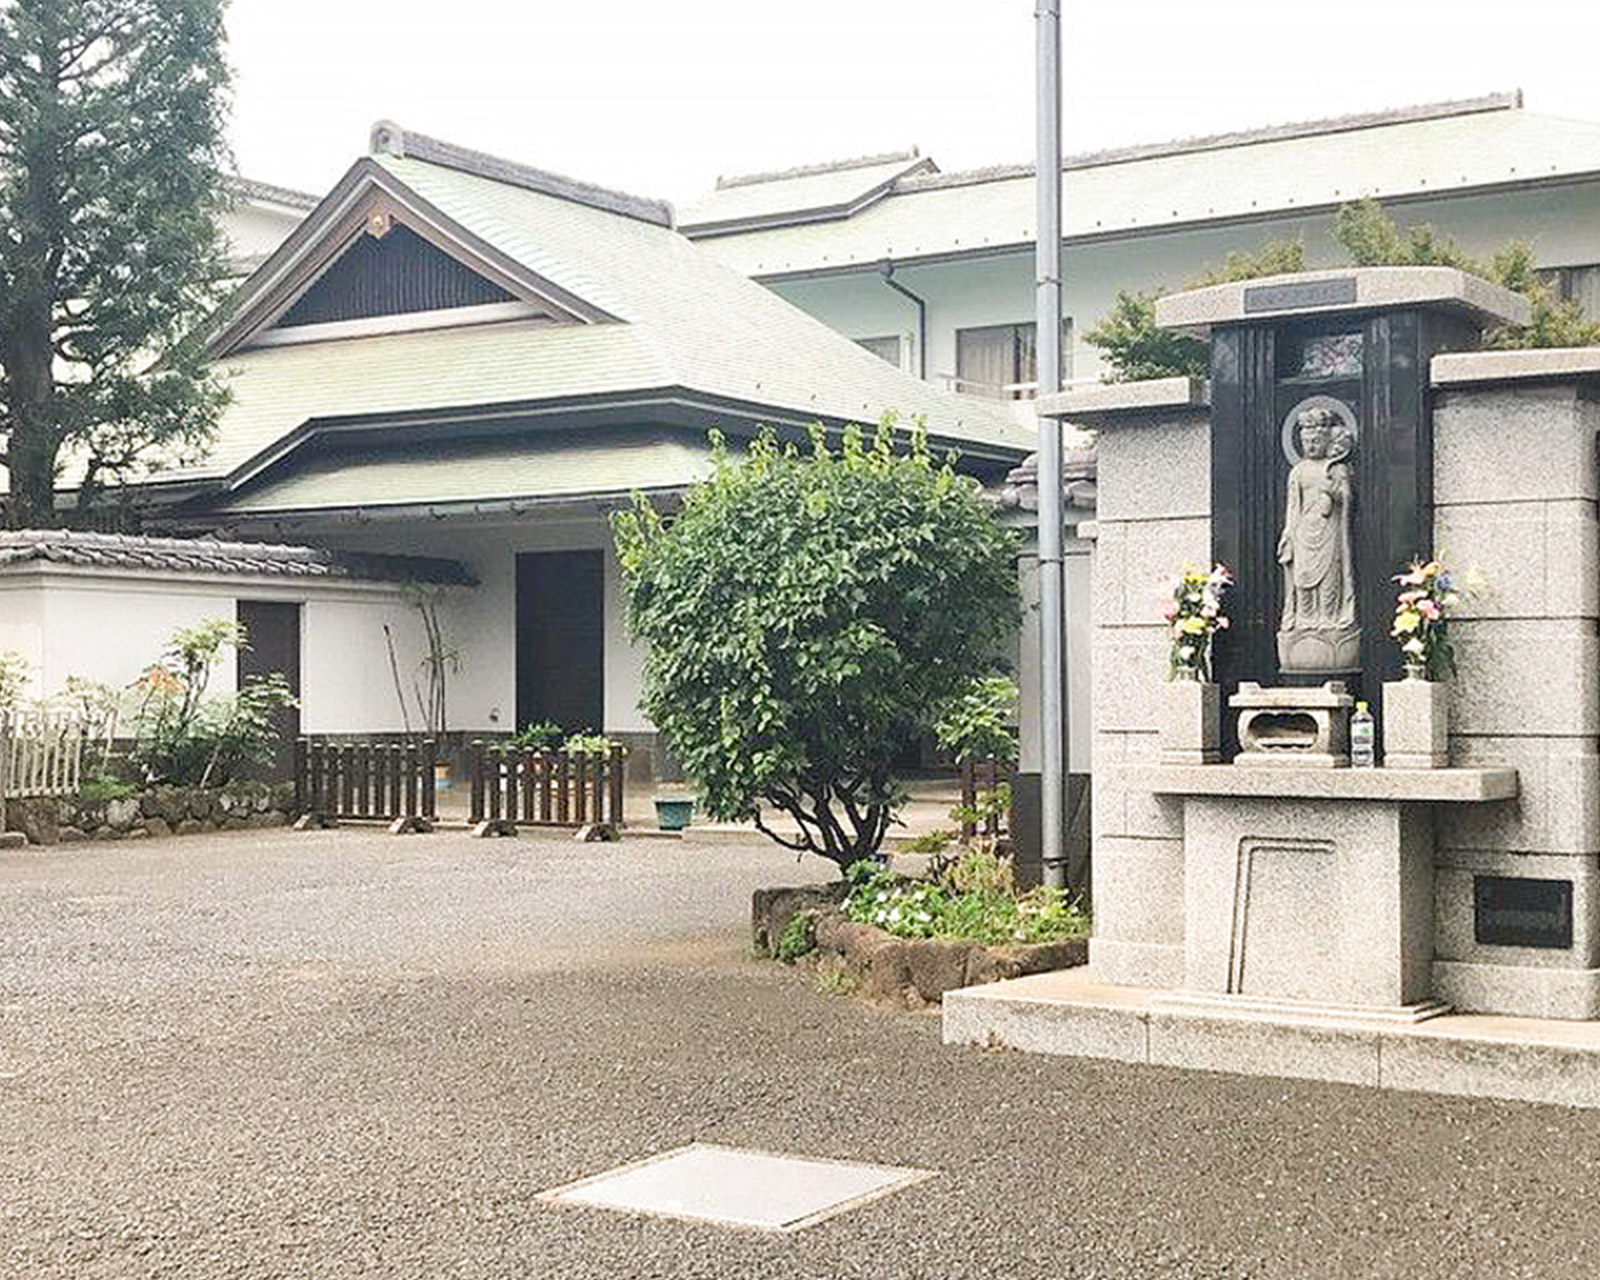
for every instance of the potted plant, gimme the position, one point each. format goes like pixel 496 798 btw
pixel 1191 706
pixel 1416 727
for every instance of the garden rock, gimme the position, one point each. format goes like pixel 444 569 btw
pixel 122 814
pixel 771 910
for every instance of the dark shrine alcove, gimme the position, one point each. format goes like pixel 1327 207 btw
pixel 1373 369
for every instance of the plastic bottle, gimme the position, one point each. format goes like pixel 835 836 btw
pixel 1362 739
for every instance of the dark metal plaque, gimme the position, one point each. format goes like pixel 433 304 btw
pixel 1302 293
pixel 1511 911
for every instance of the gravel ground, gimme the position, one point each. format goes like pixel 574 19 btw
pixel 339 1054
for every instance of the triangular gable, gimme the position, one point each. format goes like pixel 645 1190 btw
pixel 395 273
pixel 375 255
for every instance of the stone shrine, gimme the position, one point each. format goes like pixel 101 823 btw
pixel 1252 915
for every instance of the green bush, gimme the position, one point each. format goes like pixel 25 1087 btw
pixel 799 937
pixel 180 735
pixel 806 613
pixel 980 724
pixel 105 786
pixel 975 899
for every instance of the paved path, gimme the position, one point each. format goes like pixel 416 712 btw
pixel 344 1055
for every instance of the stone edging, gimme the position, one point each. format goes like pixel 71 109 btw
pixel 160 811
pixel 913 972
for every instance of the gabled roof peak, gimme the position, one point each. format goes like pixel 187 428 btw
pixel 388 138
pixel 825 166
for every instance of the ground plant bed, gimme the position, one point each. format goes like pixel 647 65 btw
pixel 823 924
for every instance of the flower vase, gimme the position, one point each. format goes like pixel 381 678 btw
pixel 1190 720
pixel 1416 724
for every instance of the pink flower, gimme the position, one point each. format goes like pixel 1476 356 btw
pixel 1429 610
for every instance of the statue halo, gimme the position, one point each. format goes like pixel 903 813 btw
pixel 1346 415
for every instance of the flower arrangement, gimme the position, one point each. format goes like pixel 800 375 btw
pixel 1194 615
pixel 1421 618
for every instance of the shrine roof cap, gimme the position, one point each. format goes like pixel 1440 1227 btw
pixel 1353 290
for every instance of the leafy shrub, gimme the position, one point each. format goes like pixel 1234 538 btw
pixel 587 743
pixel 799 937
pixel 181 736
pixel 980 723
pixel 105 786
pixel 974 899
pixel 805 614
pixel 542 735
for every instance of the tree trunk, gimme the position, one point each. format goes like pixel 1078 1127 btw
pixel 34 438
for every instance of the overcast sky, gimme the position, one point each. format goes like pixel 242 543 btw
pixel 658 97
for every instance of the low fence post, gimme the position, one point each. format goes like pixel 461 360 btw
pixel 615 786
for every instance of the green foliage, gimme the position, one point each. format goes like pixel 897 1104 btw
pixel 799 937
pixel 587 743
pixel 1372 239
pixel 183 737
pixel 980 723
pixel 105 786
pixel 835 977
pixel 1137 350
pixel 111 161
pixel 988 805
pixel 930 842
pixel 974 899
pixel 804 614
pixel 542 735
pixel 15 673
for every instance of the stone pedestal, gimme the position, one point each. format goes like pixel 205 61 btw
pixel 1416 724
pixel 1191 722
pixel 1310 893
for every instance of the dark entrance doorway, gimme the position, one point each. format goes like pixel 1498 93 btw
pixel 273 632
pixel 561 639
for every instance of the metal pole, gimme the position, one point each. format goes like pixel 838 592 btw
pixel 1052 576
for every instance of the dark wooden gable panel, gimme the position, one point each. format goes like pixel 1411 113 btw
pixel 396 275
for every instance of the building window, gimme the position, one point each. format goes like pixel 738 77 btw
pixel 886 349
pixel 1001 360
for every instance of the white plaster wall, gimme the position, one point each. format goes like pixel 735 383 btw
pixel 1560 223
pixel 22 623
pixel 110 628
pixel 346 678
pixel 481 621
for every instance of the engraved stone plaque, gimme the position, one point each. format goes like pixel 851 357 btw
pixel 1515 911
pixel 1340 291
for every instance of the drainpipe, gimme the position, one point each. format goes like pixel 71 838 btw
pixel 922 317
pixel 1054 763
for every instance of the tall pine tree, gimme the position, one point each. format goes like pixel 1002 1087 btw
pixel 111 163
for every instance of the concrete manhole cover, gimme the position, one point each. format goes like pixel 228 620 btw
pixel 736 1188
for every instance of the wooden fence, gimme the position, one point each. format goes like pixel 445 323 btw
pixel 41 754
pixel 391 782
pixel 544 789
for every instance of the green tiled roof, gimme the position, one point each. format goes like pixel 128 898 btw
pixel 1283 171
pixel 557 465
pixel 685 324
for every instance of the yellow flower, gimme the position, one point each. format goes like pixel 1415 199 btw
pixel 1192 626
pixel 1407 620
